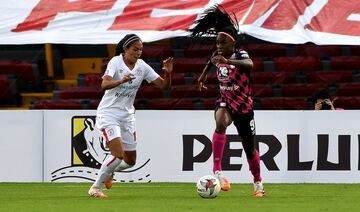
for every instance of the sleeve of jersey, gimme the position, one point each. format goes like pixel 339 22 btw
pixel 150 74
pixel 242 55
pixel 111 68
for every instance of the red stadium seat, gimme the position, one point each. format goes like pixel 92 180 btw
pixel 27 72
pixel 348 89
pixel 329 76
pixel 301 90
pixel 355 50
pixel 170 104
pixel 265 50
pixel 184 65
pixel 68 104
pixel 262 77
pixel 191 91
pixel 149 91
pixel 80 93
pixel 266 77
pixel 8 91
pixel 347 103
pixel 94 103
pixel 318 51
pixel 345 63
pixel 178 79
pixel 297 63
pixel 93 79
pixel 258 64
pixel 96 79
pixel 157 51
pixel 283 103
pixel 197 51
pixel 211 78
pixel 261 90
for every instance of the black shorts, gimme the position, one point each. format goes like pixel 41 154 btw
pixel 244 123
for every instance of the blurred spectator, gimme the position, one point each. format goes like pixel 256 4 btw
pixel 322 100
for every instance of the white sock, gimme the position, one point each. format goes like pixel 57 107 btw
pixel 123 165
pixel 107 168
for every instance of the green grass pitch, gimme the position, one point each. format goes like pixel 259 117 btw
pixel 173 197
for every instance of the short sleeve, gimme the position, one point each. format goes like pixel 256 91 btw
pixel 111 68
pixel 241 55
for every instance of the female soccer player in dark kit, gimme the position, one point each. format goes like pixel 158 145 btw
pixel 234 104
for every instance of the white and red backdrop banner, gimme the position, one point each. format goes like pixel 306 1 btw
pixel 107 21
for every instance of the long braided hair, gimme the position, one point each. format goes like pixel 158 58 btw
pixel 213 21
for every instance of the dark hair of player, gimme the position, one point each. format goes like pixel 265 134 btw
pixel 125 42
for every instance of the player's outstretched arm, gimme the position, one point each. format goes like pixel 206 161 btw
pixel 203 77
pixel 165 83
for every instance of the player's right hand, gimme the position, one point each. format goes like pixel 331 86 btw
pixel 127 78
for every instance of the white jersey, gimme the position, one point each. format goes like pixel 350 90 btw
pixel 119 101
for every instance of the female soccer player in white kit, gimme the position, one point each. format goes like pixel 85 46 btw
pixel 115 114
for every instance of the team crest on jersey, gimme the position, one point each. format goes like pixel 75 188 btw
pixel 138 71
pixel 88 152
pixel 223 73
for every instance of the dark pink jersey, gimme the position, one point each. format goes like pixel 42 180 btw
pixel 234 85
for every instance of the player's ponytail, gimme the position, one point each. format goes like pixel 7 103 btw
pixel 215 20
pixel 125 42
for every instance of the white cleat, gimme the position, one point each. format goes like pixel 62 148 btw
pixel 225 184
pixel 258 189
pixel 96 192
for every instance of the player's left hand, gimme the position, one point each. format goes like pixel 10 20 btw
pixel 219 59
pixel 168 65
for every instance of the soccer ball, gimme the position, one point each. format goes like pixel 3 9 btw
pixel 208 186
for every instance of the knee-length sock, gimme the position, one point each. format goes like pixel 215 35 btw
pixel 254 165
pixel 218 143
pixel 122 166
pixel 107 168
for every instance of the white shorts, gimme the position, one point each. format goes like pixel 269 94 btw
pixel 112 128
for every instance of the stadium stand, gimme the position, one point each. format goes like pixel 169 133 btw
pixel 301 90
pixel 348 102
pixel 324 52
pixel 93 92
pixel 283 77
pixel 266 50
pixel 297 63
pixel 60 104
pixel 345 62
pixel 284 103
pixel 26 72
pixel 330 76
pixel 348 89
pixel 198 51
pixel 171 103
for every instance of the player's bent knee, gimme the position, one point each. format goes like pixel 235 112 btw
pixel 118 155
pixel 130 162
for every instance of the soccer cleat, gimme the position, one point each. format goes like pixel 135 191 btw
pixel 225 184
pixel 96 192
pixel 109 182
pixel 259 189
